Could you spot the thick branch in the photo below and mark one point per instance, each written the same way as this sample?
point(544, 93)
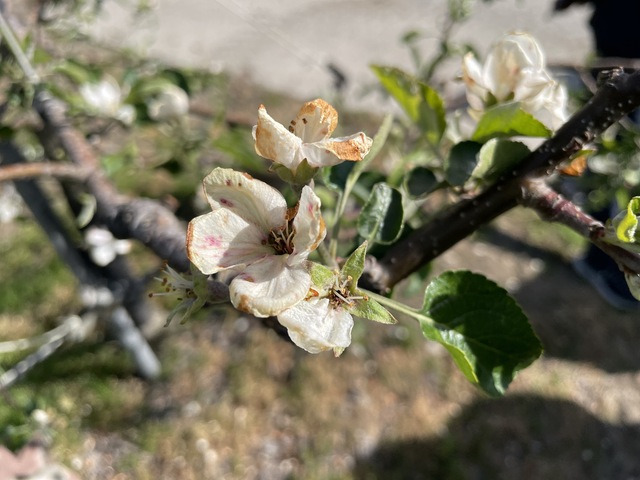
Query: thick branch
point(143, 219)
point(616, 98)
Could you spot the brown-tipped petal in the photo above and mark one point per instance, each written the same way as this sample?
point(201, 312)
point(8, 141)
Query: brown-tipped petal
point(336, 150)
point(316, 121)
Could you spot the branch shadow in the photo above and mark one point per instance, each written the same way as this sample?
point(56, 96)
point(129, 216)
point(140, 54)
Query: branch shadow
point(518, 437)
point(572, 320)
point(575, 323)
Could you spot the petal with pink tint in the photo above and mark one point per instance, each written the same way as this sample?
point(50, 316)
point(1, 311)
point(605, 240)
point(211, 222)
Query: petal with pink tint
point(221, 239)
point(253, 200)
point(308, 225)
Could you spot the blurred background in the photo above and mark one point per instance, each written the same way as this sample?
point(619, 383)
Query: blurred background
point(229, 398)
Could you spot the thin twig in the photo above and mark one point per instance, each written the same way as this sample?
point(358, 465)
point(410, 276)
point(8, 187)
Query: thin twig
point(41, 169)
point(73, 329)
point(16, 51)
point(553, 207)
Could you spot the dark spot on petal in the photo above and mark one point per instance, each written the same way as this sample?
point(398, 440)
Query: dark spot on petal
point(304, 120)
point(226, 202)
point(228, 183)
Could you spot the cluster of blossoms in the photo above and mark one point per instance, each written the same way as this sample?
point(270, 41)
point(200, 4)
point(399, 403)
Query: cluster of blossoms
point(515, 71)
point(263, 246)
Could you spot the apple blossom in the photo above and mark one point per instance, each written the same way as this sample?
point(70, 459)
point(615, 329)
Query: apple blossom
point(318, 324)
point(103, 246)
point(515, 70)
point(324, 319)
point(251, 231)
point(307, 138)
point(170, 102)
point(105, 98)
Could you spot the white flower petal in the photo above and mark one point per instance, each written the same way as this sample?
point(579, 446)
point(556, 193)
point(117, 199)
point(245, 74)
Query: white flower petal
point(308, 225)
point(514, 70)
point(103, 96)
point(254, 201)
point(472, 76)
point(171, 102)
point(275, 142)
point(269, 286)
point(221, 239)
point(316, 326)
point(332, 151)
point(315, 121)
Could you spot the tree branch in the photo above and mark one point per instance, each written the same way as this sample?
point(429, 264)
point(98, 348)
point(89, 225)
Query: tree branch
point(553, 207)
point(41, 169)
point(619, 95)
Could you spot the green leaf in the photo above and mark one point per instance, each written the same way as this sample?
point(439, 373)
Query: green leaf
point(626, 223)
point(508, 120)
point(381, 218)
point(420, 182)
point(461, 162)
point(481, 326)
point(335, 177)
point(633, 282)
point(421, 103)
point(354, 265)
point(498, 156)
point(369, 309)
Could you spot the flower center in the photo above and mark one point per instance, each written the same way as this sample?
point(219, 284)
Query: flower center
point(340, 293)
point(281, 239)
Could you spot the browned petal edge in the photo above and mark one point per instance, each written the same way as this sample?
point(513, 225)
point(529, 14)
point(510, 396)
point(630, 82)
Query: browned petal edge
point(321, 234)
point(328, 114)
point(189, 238)
point(292, 212)
point(244, 305)
point(265, 141)
point(353, 149)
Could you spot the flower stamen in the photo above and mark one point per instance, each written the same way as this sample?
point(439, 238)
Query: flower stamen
point(281, 239)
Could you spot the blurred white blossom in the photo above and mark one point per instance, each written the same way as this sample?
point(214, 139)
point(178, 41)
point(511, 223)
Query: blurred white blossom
point(106, 98)
point(11, 204)
point(103, 246)
point(515, 70)
point(171, 102)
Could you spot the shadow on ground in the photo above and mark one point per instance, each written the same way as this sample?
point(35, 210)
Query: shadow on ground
point(575, 324)
point(519, 437)
point(572, 320)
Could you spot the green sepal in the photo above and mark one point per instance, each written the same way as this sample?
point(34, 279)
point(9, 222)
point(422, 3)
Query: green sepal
point(626, 223)
point(370, 309)
point(322, 277)
point(354, 266)
point(304, 173)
